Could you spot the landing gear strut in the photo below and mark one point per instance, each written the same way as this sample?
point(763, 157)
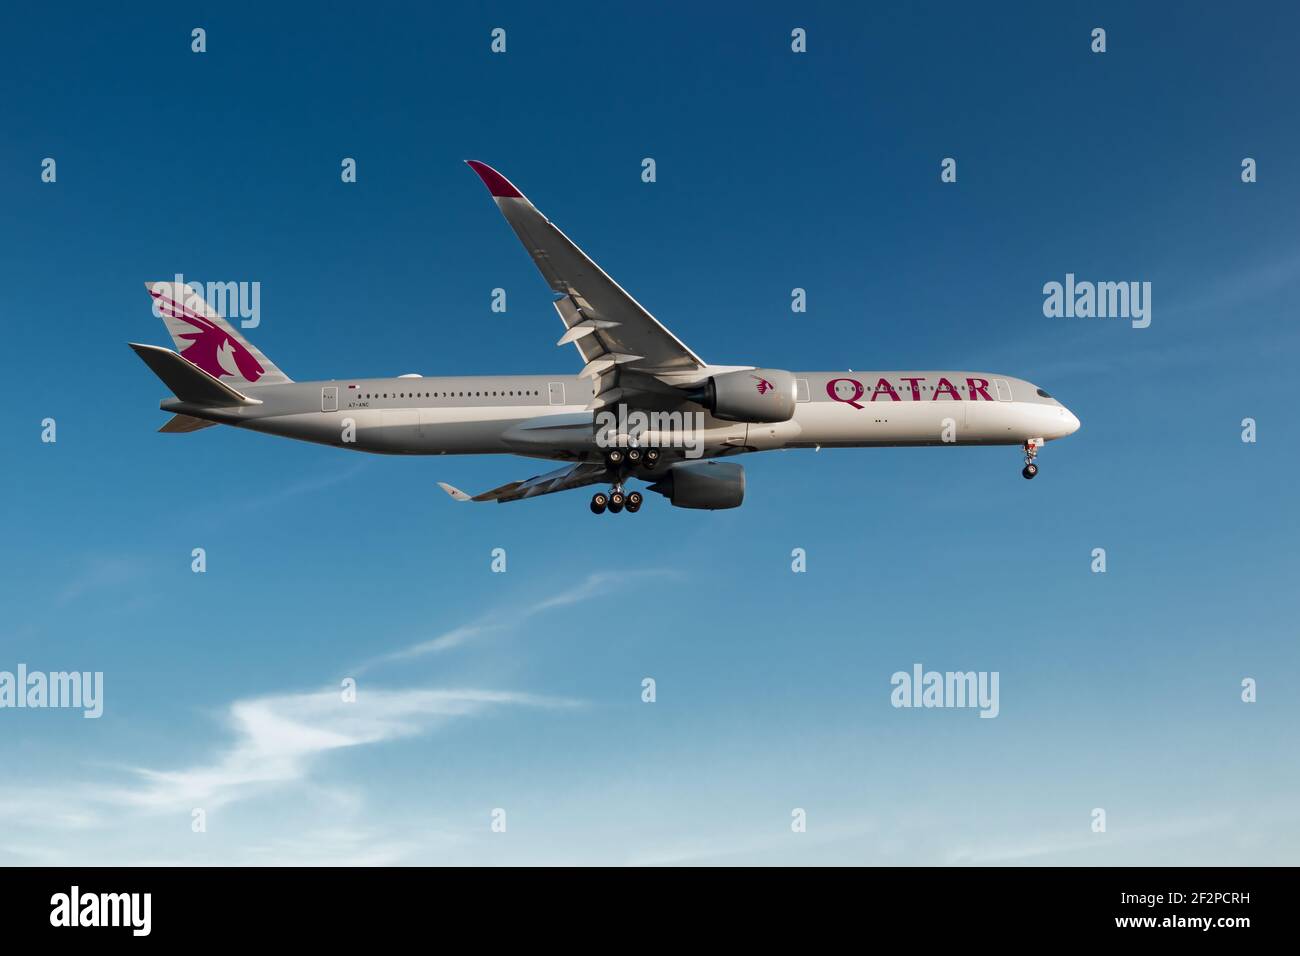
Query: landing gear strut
point(1031, 452)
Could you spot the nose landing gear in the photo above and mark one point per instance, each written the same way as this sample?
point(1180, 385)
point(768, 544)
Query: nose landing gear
point(1031, 452)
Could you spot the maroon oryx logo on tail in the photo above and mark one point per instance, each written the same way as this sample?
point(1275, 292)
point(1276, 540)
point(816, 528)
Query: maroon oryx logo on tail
point(211, 347)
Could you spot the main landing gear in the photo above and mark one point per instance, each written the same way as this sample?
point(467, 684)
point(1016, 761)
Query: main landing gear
point(622, 462)
point(615, 501)
point(1031, 452)
point(644, 457)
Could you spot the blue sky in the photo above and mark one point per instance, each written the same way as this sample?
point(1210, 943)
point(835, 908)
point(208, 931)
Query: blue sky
point(522, 690)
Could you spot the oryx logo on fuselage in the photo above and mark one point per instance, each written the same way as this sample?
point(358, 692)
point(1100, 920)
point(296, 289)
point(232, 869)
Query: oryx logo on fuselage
point(211, 347)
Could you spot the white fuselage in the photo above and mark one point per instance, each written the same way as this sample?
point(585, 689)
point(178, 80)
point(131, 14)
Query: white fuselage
point(551, 417)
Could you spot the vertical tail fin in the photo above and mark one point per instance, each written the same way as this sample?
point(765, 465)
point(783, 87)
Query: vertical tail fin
point(207, 340)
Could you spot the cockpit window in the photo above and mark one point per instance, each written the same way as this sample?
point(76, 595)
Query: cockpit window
point(1043, 394)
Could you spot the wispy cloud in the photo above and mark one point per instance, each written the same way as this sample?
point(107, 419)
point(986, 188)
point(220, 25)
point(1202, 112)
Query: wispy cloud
point(278, 738)
point(100, 573)
point(1249, 282)
point(51, 806)
point(599, 584)
point(277, 741)
point(352, 844)
point(282, 742)
point(1059, 847)
point(303, 488)
point(767, 845)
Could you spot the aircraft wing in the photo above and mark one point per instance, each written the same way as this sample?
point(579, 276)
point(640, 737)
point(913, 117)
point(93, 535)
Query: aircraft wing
point(612, 331)
point(562, 479)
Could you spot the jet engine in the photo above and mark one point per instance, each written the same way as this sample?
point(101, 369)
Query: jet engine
point(709, 485)
point(757, 395)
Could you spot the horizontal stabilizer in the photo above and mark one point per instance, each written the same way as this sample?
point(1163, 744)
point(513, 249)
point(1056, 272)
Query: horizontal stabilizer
point(187, 381)
point(185, 423)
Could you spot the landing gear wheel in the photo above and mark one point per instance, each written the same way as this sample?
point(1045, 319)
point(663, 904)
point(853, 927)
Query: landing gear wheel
point(1031, 452)
point(599, 502)
point(614, 508)
point(633, 455)
point(616, 501)
point(651, 457)
point(614, 458)
point(634, 500)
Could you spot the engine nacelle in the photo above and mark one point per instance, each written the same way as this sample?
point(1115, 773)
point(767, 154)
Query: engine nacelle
point(760, 395)
point(709, 485)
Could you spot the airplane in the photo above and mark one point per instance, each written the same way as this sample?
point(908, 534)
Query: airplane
point(644, 405)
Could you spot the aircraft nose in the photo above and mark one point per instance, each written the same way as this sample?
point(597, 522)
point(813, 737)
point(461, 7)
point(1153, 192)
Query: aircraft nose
point(1071, 421)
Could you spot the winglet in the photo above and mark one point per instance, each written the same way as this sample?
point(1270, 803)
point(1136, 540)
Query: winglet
point(454, 492)
point(497, 185)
